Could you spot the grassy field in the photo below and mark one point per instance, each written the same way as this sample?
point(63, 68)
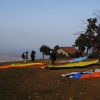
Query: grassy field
point(34, 83)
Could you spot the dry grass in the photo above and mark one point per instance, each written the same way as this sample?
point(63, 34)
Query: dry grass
point(34, 83)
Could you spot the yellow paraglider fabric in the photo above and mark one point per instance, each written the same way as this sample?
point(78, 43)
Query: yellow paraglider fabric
point(71, 65)
point(23, 65)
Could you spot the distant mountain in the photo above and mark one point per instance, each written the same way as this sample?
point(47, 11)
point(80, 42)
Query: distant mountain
point(9, 57)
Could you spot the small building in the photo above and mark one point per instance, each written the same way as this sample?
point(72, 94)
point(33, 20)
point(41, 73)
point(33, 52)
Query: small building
point(67, 50)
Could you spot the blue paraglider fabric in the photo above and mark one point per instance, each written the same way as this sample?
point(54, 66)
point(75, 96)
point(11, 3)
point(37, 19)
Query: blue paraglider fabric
point(78, 75)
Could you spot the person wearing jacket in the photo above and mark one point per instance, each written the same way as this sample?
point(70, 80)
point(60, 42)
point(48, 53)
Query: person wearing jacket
point(53, 57)
point(25, 56)
point(32, 55)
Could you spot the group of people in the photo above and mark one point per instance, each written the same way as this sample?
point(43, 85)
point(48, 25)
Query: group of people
point(52, 54)
point(25, 56)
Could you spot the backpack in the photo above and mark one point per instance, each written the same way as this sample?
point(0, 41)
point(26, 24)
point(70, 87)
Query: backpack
point(34, 52)
point(23, 56)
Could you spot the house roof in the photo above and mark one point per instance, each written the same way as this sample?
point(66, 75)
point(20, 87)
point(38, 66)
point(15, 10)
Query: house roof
point(69, 50)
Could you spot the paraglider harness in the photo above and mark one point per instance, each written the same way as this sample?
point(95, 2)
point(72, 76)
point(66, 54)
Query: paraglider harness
point(34, 52)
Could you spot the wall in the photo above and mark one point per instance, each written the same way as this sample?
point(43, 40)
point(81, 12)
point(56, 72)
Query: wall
point(62, 51)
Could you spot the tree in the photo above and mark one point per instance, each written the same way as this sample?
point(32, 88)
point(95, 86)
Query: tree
point(44, 50)
point(97, 14)
point(93, 32)
point(89, 36)
point(82, 40)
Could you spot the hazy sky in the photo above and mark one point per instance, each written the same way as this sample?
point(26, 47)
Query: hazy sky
point(28, 24)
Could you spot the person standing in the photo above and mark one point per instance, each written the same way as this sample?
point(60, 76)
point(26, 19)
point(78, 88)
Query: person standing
point(33, 55)
point(53, 57)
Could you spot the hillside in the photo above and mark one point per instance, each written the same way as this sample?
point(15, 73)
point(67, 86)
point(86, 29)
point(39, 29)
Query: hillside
point(9, 57)
point(34, 83)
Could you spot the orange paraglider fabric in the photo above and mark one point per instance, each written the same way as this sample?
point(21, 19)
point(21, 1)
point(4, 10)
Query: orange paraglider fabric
point(22, 65)
point(5, 67)
point(92, 75)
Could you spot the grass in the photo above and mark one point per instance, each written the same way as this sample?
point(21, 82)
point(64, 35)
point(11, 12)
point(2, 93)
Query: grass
point(11, 83)
point(15, 83)
point(30, 83)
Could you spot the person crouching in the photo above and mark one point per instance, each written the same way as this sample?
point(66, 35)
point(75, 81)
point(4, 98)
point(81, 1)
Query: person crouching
point(25, 56)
